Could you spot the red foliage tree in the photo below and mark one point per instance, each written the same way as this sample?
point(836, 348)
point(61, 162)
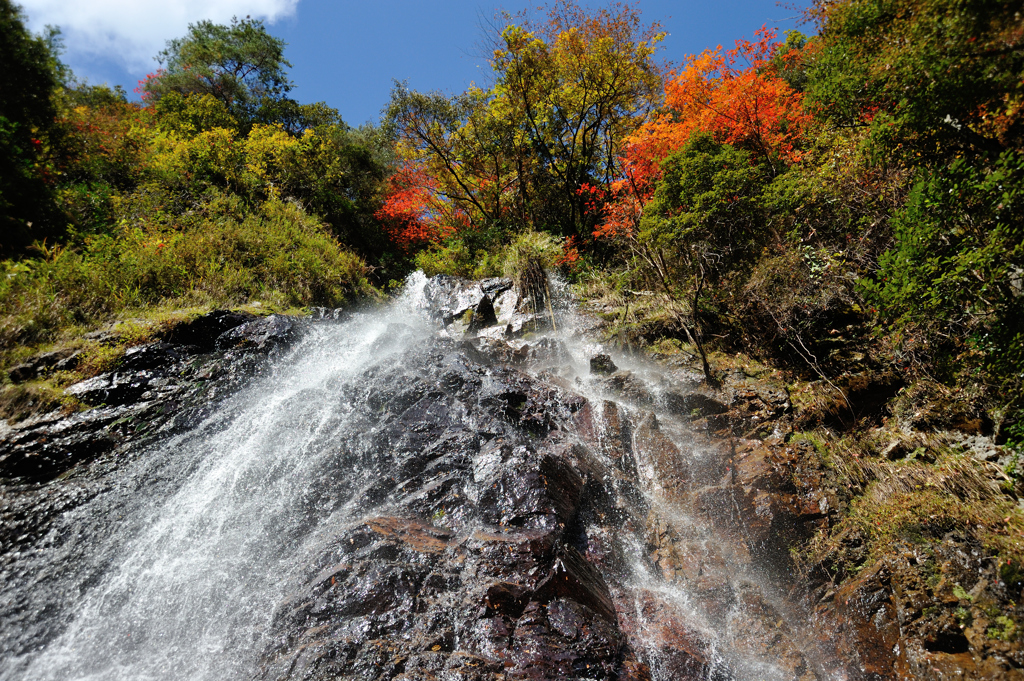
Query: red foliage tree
point(412, 212)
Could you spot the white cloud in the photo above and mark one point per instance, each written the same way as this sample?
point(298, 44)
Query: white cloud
point(132, 32)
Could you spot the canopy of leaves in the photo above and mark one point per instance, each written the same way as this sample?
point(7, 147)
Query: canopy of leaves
point(518, 154)
point(736, 97)
point(240, 64)
point(925, 74)
point(28, 78)
point(707, 204)
point(579, 83)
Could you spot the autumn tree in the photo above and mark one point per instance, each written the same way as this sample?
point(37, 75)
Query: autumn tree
point(737, 97)
point(523, 151)
point(688, 201)
point(577, 84)
point(461, 162)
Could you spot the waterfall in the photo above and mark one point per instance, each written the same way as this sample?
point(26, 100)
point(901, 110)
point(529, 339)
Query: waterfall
point(183, 569)
point(186, 560)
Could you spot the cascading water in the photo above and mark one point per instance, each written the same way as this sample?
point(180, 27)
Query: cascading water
point(721, 624)
point(192, 559)
point(178, 574)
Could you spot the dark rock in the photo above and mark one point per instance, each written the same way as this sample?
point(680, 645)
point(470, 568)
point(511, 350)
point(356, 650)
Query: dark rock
point(69, 363)
point(683, 654)
point(92, 390)
point(483, 315)
point(511, 528)
point(114, 388)
point(628, 387)
point(203, 332)
point(22, 372)
point(150, 356)
point(42, 363)
point(495, 286)
point(602, 365)
point(867, 628)
point(46, 451)
point(259, 334)
point(102, 337)
point(157, 386)
point(658, 457)
point(530, 490)
point(694, 405)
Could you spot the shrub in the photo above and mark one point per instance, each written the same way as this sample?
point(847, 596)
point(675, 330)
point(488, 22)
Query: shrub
point(224, 256)
point(950, 288)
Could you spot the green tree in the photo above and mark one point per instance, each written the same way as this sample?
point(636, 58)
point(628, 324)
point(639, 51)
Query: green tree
point(952, 285)
point(338, 176)
point(708, 199)
point(241, 65)
point(703, 222)
point(28, 80)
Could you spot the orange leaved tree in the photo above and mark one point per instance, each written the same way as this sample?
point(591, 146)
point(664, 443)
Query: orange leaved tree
point(738, 97)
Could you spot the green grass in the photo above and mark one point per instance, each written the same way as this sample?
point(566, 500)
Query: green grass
point(276, 254)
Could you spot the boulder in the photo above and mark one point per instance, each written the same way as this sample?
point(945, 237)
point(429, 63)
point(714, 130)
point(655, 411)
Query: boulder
point(203, 331)
point(602, 365)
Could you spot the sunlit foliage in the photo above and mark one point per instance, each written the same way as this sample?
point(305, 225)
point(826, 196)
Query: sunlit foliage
point(566, 92)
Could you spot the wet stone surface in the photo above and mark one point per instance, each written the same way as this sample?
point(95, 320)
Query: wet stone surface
point(161, 386)
point(52, 464)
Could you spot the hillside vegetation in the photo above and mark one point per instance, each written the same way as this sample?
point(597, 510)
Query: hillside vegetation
point(843, 203)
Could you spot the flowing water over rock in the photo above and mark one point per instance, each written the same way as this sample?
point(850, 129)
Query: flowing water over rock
point(420, 493)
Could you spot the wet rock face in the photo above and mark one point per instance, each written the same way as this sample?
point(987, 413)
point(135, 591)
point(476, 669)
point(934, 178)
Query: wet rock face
point(500, 532)
point(161, 386)
point(490, 308)
point(159, 389)
point(896, 620)
point(468, 566)
point(602, 364)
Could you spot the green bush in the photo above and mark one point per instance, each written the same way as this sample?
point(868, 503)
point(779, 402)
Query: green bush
point(451, 257)
point(708, 200)
point(225, 256)
point(952, 286)
point(529, 251)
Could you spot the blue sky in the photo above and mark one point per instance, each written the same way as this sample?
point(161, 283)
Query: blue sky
point(347, 53)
